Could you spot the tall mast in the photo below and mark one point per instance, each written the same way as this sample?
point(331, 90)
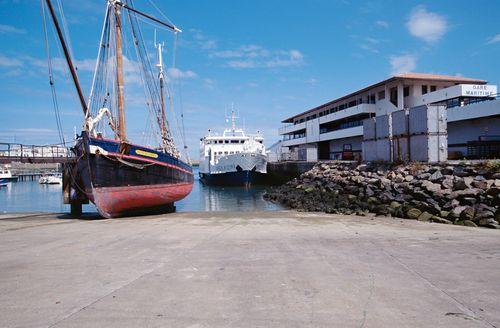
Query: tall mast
point(233, 117)
point(159, 46)
point(68, 58)
point(122, 134)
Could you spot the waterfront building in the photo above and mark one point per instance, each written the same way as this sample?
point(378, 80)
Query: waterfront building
point(334, 130)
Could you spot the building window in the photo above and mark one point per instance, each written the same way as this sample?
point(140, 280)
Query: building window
point(406, 91)
point(394, 96)
point(381, 95)
point(424, 89)
point(433, 88)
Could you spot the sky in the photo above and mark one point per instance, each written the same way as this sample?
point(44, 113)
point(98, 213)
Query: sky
point(271, 59)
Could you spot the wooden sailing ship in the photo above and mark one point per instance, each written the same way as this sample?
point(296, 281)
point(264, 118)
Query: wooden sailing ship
point(119, 177)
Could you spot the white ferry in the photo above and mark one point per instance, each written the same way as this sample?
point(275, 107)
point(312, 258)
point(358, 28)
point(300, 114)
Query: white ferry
point(233, 159)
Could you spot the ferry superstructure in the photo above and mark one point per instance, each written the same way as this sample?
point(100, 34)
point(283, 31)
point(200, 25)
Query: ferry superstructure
point(233, 158)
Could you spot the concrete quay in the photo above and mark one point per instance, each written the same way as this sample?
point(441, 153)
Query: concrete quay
point(255, 269)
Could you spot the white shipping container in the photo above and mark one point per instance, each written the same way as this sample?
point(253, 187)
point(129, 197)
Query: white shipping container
point(384, 150)
point(400, 149)
point(369, 129)
point(383, 126)
point(400, 123)
point(432, 148)
point(428, 119)
point(369, 150)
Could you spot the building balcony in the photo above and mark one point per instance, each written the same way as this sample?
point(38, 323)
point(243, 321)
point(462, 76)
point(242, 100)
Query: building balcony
point(476, 110)
point(356, 131)
point(348, 112)
point(294, 142)
point(292, 128)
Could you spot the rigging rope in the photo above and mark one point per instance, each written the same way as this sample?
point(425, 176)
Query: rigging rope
point(55, 102)
point(66, 30)
point(181, 128)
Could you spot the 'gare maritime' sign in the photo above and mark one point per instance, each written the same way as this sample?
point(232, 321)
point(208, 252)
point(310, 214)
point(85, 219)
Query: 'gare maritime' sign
point(474, 90)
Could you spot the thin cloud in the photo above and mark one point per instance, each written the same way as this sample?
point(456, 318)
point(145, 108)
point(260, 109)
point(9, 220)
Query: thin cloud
point(403, 64)
point(381, 23)
point(425, 25)
point(494, 39)
point(9, 62)
point(175, 74)
point(9, 29)
point(255, 56)
point(245, 51)
point(59, 64)
point(202, 41)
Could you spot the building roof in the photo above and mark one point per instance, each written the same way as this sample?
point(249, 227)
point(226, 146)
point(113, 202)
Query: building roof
point(405, 76)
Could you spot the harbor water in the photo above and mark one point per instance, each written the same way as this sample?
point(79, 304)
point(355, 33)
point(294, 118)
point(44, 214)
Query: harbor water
point(30, 196)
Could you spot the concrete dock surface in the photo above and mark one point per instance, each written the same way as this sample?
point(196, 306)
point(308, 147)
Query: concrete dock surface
point(264, 269)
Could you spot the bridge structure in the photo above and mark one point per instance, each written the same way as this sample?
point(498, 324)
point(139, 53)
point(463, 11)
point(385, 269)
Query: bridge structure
point(16, 152)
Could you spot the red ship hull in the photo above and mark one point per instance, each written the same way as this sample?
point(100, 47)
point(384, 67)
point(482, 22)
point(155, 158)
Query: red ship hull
point(118, 201)
point(126, 179)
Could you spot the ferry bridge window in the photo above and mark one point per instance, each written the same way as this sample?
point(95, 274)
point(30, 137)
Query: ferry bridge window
point(372, 99)
point(406, 91)
point(433, 88)
point(424, 89)
point(234, 141)
point(226, 141)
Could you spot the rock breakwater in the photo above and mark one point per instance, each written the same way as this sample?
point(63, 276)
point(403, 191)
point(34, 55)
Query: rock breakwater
point(466, 195)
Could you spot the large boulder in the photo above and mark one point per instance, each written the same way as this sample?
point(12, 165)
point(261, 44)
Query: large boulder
point(431, 187)
point(467, 213)
point(436, 176)
point(413, 213)
point(425, 216)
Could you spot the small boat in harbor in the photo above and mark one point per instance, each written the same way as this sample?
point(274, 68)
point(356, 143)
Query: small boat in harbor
point(120, 177)
point(233, 158)
point(6, 175)
point(50, 179)
point(3, 183)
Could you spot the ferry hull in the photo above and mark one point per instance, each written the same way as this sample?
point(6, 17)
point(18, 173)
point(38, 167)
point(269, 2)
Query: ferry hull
point(122, 182)
point(239, 178)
